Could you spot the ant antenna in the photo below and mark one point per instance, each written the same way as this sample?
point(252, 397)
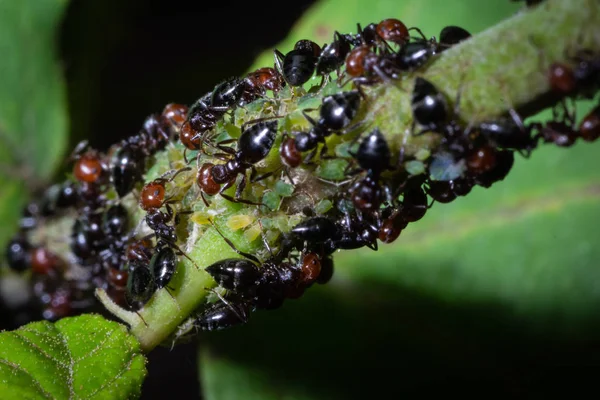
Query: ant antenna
point(230, 243)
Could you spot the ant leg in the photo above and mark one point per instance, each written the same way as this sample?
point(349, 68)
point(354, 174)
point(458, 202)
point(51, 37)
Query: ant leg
point(264, 239)
point(230, 243)
point(257, 120)
point(263, 176)
point(206, 203)
point(308, 117)
point(414, 28)
point(241, 186)
point(243, 318)
point(173, 297)
point(81, 146)
point(286, 171)
point(181, 252)
point(184, 169)
point(243, 201)
point(143, 320)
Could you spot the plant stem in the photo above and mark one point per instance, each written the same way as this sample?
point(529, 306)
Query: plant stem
point(502, 68)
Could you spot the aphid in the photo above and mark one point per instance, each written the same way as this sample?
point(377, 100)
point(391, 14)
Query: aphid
point(298, 66)
point(18, 254)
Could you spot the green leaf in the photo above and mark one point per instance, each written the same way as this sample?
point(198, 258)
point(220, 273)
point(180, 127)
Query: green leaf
point(505, 276)
point(33, 112)
point(82, 357)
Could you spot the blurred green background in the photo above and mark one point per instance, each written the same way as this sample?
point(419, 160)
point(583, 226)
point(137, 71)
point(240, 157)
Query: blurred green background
point(498, 291)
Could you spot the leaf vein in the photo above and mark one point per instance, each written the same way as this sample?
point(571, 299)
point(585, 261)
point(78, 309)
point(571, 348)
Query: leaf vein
point(28, 342)
point(34, 380)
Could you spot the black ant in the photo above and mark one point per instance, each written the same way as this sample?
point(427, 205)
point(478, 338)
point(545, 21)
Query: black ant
point(335, 115)
point(129, 161)
point(254, 144)
point(373, 156)
point(298, 65)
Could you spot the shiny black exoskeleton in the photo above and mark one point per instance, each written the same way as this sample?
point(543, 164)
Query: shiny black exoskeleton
point(452, 35)
point(447, 191)
point(234, 274)
point(115, 221)
point(333, 55)
point(335, 115)
point(354, 232)
point(373, 157)
point(315, 230)
point(87, 237)
point(429, 106)
point(129, 162)
point(505, 133)
point(18, 254)
point(158, 221)
point(298, 66)
point(162, 266)
point(254, 144)
point(140, 285)
point(415, 54)
point(127, 169)
point(223, 315)
point(504, 162)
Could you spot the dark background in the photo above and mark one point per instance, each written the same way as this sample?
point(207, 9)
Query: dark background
point(124, 60)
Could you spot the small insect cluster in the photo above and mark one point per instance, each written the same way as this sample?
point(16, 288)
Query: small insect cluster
point(248, 141)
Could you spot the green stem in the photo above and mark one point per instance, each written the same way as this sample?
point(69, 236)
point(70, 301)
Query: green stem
point(504, 67)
